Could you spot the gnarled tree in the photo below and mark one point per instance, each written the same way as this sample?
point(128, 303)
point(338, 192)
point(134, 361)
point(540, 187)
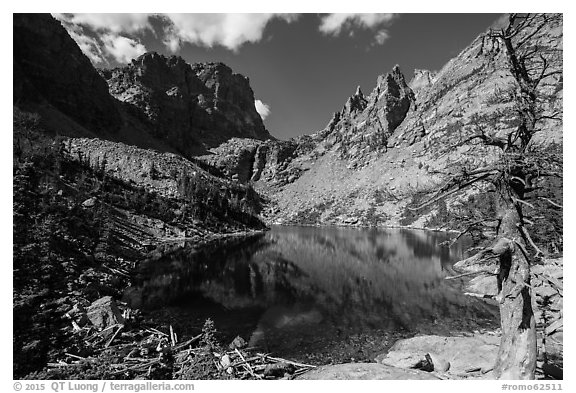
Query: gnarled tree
point(515, 176)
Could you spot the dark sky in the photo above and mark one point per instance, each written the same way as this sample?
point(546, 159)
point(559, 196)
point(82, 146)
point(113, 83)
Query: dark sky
point(304, 76)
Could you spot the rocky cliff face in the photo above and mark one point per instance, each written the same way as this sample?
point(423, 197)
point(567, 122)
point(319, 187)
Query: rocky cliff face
point(365, 123)
point(250, 160)
point(382, 149)
point(361, 127)
point(50, 70)
point(422, 79)
point(187, 105)
point(155, 102)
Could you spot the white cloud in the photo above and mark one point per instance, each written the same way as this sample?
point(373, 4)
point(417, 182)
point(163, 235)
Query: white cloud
point(262, 109)
point(88, 45)
point(123, 49)
point(228, 30)
point(105, 40)
point(172, 42)
point(381, 37)
point(113, 30)
point(116, 23)
point(334, 24)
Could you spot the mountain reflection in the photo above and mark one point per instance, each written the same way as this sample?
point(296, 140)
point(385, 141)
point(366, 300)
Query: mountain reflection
point(297, 280)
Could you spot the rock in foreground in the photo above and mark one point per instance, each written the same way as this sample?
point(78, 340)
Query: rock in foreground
point(361, 371)
point(464, 354)
point(104, 313)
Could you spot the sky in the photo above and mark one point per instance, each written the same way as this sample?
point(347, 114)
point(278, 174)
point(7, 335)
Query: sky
point(302, 67)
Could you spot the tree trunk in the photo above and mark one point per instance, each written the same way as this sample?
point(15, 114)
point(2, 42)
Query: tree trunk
point(517, 354)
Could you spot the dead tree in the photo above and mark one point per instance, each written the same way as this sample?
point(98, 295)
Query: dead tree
point(514, 176)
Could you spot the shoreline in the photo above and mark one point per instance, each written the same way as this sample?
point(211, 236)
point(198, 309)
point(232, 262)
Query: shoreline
point(213, 238)
point(342, 225)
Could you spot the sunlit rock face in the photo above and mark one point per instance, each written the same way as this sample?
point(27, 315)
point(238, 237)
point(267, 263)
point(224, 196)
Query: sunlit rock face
point(366, 122)
point(361, 127)
point(253, 160)
point(203, 103)
point(422, 79)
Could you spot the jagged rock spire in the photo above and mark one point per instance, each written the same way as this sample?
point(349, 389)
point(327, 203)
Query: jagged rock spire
point(366, 122)
point(355, 103)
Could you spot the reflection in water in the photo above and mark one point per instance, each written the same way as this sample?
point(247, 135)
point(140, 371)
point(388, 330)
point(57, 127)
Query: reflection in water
point(298, 286)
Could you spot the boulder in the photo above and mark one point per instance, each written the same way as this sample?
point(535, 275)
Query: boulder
point(429, 362)
point(402, 359)
point(454, 354)
point(89, 202)
point(104, 313)
point(483, 285)
point(364, 371)
point(225, 361)
point(439, 363)
point(545, 290)
point(551, 268)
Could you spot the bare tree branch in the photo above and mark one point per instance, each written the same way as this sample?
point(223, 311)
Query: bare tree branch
point(551, 202)
point(528, 238)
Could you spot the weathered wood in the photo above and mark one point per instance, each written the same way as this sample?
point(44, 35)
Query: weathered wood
point(172, 336)
point(464, 275)
point(287, 361)
point(186, 343)
point(517, 353)
point(114, 336)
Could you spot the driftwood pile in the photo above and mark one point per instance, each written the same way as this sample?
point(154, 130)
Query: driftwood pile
point(240, 364)
point(148, 353)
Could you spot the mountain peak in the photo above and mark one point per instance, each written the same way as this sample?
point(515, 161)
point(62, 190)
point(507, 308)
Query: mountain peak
point(355, 103)
point(187, 103)
point(366, 122)
point(395, 76)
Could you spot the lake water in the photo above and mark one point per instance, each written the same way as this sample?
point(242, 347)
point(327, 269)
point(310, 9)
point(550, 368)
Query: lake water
point(314, 294)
